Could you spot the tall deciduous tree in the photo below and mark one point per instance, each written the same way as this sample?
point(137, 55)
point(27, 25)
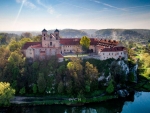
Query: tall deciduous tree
point(6, 93)
point(60, 87)
point(41, 83)
point(85, 42)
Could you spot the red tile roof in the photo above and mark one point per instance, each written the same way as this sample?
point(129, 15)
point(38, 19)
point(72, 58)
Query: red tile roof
point(94, 41)
point(69, 41)
point(36, 46)
point(59, 56)
point(73, 41)
point(115, 49)
point(27, 44)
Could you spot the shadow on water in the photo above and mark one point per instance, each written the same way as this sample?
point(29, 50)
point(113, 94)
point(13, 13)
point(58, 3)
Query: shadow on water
point(110, 106)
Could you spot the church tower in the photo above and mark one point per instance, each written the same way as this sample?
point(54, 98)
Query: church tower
point(56, 33)
point(44, 37)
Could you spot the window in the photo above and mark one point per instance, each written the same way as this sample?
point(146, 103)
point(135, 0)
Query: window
point(50, 43)
point(44, 34)
point(112, 53)
point(56, 34)
point(103, 54)
point(50, 37)
point(44, 38)
point(109, 53)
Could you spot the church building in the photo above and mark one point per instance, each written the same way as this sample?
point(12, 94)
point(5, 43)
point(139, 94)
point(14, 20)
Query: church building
point(52, 44)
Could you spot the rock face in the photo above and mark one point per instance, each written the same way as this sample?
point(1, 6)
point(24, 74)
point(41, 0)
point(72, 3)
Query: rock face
point(123, 66)
point(123, 93)
point(133, 70)
point(120, 70)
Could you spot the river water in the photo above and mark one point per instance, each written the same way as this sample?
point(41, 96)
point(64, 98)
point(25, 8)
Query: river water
point(138, 102)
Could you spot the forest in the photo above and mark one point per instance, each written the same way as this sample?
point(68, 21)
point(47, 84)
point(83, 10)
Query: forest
point(74, 77)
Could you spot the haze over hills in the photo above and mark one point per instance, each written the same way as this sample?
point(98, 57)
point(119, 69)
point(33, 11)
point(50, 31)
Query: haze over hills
point(139, 35)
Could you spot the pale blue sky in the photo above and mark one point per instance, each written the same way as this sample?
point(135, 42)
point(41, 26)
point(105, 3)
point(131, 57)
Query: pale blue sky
point(19, 15)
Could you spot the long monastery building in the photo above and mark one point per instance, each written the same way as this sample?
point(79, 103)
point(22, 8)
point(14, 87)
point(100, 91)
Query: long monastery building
point(52, 44)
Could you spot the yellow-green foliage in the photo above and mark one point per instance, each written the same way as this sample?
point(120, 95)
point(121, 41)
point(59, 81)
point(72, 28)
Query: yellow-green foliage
point(85, 41)
point(145, 58)
point(6, 93)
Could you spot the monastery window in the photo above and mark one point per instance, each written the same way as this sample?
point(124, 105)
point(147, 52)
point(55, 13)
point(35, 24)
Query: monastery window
point(109, 53)
point(121, 52)
point(50, 43)
point(112, 53)
point(50, 37)
point(103, 54)
point(56, 34)
point(44, 34)
point(44, 38)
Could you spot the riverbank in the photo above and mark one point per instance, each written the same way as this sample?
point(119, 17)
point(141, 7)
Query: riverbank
point(18, 100)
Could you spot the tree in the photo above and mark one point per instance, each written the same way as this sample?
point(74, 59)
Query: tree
point(34, 88)
point(85, 43)
point(60, 87)
point(110, 87)
point(6, 93)
point(91, 76)
point(77, 50)
point(41, 83)
point(13, 45)
point(26, 34)
point(22, 91)
point(69, 87)
point(37, 38)
point(91, 71)
point(75, 67)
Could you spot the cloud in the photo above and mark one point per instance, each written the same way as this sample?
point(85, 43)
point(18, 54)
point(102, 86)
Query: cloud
point(50, 9)
point(27, 3)
point(108, 5)
point(128, 8)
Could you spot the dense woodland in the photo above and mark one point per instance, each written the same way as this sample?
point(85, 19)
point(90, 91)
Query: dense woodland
point(73, 77)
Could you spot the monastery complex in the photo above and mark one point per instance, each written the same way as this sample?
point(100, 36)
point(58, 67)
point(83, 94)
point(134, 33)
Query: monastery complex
point(52, 44)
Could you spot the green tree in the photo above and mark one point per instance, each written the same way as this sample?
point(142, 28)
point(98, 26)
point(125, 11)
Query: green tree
point(75, 67)
point(34, 88)
point(6, 93)
point(41, 83)
point(13, 45)
point(110, 87)
point(22, 91)
point(85, 42)
point(60, 87)
point(69, 87)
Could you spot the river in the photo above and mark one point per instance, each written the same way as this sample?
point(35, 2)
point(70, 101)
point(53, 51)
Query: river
point(138, 102)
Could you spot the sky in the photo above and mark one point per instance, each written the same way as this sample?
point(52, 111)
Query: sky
point(35, 15)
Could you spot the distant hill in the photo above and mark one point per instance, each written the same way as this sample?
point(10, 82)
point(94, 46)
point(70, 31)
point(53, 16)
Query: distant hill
point(138, 35)
point(72, 33)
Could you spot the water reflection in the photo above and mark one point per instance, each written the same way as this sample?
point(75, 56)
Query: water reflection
point(111, 106)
